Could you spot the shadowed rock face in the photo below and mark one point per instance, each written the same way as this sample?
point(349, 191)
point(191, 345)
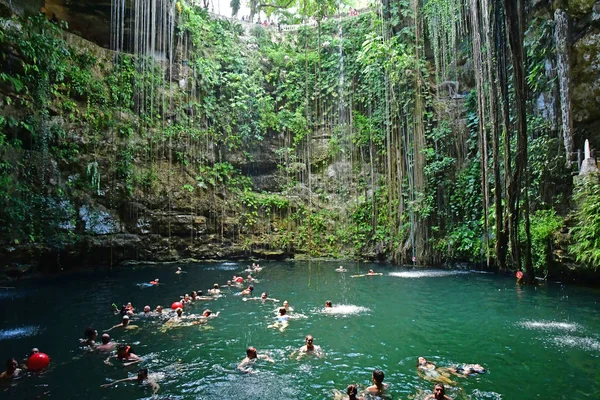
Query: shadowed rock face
point(89, 19)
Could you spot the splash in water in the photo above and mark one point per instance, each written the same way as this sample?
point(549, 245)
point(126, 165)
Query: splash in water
point(584, 343)
point(346, 309)
point(550, 325)
point(17, 333)
point(427, 274)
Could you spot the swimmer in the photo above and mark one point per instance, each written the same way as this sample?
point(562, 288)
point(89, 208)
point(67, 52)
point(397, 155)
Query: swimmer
point(33, 351)
point(378, 386)
point(282, 321)
point(126, 355)
point(147, 310)
point(107, 345)
point(186, 299)
point(129, 307)
point(208, 314)
point(237, 279)
point(328, 304)
point(263, 297)
point(256, 267)
point(227, 285)
point(248, 291)
point(310, 348)
point(142, 376)
point(466, 370)
point(159, 309)
point(124, 324)
point(439, 393)
point(154, 282)
point(428, 370)
point(215, 291)
point(249, 278)
point(341, 269)
point(180, 271)
point(12, 369)
point(370, 273)
point(287, 307)
point(90, 335)
point(352, 392)
point(251, 357)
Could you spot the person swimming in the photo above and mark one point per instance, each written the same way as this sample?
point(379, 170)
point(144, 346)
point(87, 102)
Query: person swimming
point(180, 271)
point(370, 273)
point(215, 291)
point(90, 335)
point(124, 324)
point(126, 355)
point(429, 371)
point(141, 377)
point(12, 369)
point(467, 370)
point(310, 348)
point(263, 297)
point(107, 345)
point(378, 386)
point(251, 357)
point(248, 291)
point(281, 322)
point(341, 269)
point(328, 304)
point(439, 393)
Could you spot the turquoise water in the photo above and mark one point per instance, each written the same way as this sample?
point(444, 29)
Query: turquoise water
point(535, 342)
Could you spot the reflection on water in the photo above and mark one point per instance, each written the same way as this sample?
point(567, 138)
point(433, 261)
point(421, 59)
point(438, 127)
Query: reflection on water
point(426, 274)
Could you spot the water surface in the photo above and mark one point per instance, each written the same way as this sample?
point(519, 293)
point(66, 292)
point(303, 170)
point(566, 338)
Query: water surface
point(535, 342)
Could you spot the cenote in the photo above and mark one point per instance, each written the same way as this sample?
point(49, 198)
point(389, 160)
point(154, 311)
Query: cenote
point(535, 341)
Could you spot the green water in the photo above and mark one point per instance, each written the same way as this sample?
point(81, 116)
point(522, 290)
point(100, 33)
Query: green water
point(535, 342)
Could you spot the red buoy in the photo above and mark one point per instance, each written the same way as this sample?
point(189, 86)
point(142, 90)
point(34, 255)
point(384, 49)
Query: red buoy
point(519, 275)
point(176, 305)
point(38, 361)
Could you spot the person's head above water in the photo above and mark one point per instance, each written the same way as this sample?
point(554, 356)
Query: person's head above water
point(207, 313)
point(378, 376)
point(142, 374)
point(422, 361)
point(351, 390)
point(309, 341)
point(282, 311)
point(147, 309)
point(216, 286)
point(286, 304)
point(263, 295)
point(371, 271)
point(105, 338)
point(179, 311)
point(33, 351)
point(328, 304)
point(11, 365)
point(159, 309)
point(90, 333)
point(439, 391)
point(123, 350)
point(251, 352)
point(125, 320)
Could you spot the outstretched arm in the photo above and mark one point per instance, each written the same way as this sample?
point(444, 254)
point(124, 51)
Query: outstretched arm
point(118, 381)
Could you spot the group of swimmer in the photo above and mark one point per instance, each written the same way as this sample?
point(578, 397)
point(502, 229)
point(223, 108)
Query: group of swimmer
point(125, 355)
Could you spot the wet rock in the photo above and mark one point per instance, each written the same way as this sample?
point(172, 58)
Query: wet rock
point(579, 8)
point(586, 78)
point(98, 220)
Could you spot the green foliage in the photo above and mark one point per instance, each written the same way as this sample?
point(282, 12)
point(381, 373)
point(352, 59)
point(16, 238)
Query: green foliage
point(544, 223)
point(586, 233)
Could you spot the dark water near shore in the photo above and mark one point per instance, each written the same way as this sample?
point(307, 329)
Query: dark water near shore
point(535, 342)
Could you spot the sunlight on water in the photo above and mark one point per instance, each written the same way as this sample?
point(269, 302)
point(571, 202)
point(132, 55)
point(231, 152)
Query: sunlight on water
point(584, 343)
point(17, 333)
point(345, 309)
point(550, 325)
point(426, 274)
